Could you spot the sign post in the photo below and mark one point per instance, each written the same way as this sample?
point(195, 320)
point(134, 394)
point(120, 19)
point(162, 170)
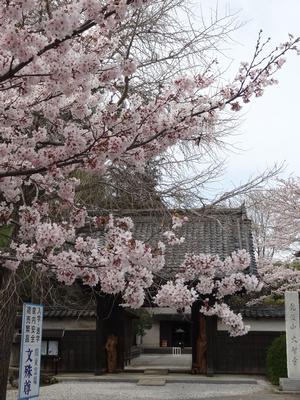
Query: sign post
point(30, 354)
point(292, 324)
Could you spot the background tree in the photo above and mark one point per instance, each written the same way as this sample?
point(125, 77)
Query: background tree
point(277, 278)
point(166, 41)
point(275, 215)
point(121, 188)
point(143, 323)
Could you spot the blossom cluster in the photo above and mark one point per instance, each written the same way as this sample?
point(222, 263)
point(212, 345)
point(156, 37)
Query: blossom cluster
point(206, 276)
point(277, 279)
point(178, 221)
point(176, 294)
point(233, 321)
point(170, 236)
point(172, 239)
point(116, 261)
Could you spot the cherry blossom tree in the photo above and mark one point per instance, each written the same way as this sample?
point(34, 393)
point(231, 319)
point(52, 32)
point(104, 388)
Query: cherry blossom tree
point(275, 215)
point(210, 280)
point(276, 278)
point(63, 109)
point(285, 211)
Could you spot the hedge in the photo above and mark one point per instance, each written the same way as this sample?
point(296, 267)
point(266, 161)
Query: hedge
point(276, 365)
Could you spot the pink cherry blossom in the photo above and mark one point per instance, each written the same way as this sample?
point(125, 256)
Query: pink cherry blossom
point(234, 322)
point(175, 294)
point(203, 275)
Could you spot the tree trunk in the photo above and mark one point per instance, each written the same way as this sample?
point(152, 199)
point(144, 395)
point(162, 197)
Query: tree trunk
point(200, 364)
point(211, 331)
point(204, 331)
point(199, 340)
point(8, 311)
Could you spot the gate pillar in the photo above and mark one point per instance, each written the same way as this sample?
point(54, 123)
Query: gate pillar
point(110, 322)
point(203, 341)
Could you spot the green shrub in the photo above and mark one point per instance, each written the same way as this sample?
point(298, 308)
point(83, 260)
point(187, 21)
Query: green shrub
point(46, 379)
point(276, 360)
point(143, 322)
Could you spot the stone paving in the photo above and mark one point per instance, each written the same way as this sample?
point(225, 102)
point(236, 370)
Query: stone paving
point(261, 396)
point(138, 385)
point(171, 391)
point(183, 361)
point(174, 377)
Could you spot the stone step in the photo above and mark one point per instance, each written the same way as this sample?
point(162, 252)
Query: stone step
point(156, 371)
point(152, 382)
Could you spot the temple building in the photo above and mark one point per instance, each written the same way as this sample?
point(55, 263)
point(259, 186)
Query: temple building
point(74, 339)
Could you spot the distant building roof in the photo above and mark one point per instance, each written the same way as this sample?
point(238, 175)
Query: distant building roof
point(263, 311)
point(55, 312)
point(259, 311)
point(208, 230)
point(66, 313)
point(60, 313)
point(255, 312)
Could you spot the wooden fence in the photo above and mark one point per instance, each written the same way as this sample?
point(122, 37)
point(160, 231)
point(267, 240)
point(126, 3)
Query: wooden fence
point(243, 354)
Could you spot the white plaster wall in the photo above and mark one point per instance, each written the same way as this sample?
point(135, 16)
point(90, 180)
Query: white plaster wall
point(70, 324)
point(152, 336)
point(267, 325)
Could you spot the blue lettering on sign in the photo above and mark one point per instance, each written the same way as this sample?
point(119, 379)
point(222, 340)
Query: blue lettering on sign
point(29, 359)
point(30, 355)
point(28, 371)
point(27, 387)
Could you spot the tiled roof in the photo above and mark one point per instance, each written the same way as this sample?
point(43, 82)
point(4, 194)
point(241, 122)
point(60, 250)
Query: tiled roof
point(263, 311)
point(209, 230)
point(58, 312)
point(61, 312)
point(255, 312)
point(260, 311)
point(68, 313)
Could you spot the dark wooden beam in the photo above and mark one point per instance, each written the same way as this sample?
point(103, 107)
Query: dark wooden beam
point(211, 329)
point(101, 335)
point(110, 321)
point(194, 330)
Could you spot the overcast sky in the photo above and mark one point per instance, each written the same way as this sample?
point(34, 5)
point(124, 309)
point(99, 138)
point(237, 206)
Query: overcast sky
point(270, 128)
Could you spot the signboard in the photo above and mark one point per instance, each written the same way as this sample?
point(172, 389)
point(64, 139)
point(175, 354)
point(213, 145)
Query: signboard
point(53, 348)
point(30, 354)
point(292, 321)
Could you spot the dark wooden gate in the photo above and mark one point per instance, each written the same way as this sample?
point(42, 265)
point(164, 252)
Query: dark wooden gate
point(243, 354)
point(78, 351)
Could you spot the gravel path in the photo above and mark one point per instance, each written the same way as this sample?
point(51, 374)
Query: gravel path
point(129, 391)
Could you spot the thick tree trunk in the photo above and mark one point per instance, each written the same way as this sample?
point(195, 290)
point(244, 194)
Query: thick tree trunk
point(211, 331)
point(200, 363)
point(203, 341)
point(8, 311)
